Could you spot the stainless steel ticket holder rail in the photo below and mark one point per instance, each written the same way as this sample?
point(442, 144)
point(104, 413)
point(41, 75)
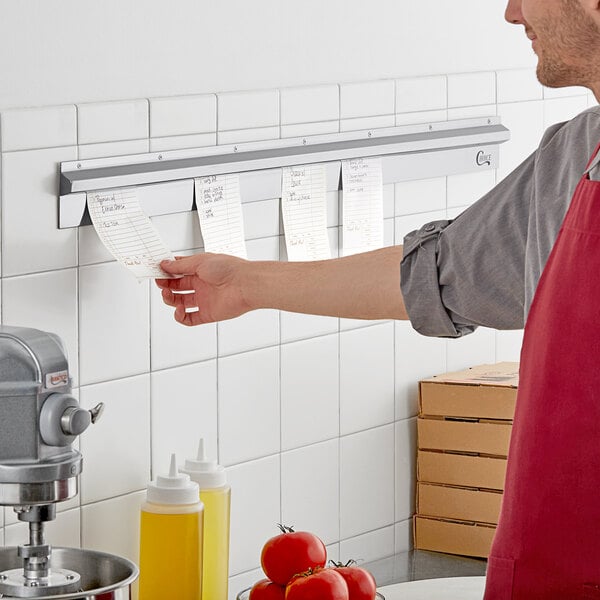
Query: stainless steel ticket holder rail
point(165, 180)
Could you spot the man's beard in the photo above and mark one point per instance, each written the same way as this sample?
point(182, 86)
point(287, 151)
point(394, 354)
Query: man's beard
point(573, 58)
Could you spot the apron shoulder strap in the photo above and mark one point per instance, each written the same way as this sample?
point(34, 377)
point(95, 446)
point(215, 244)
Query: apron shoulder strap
point(594, 160)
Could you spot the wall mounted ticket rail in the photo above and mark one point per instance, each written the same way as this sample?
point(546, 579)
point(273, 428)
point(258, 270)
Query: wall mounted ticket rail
point(165, 179)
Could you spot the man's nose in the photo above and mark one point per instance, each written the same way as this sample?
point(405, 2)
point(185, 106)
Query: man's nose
point(513, 12)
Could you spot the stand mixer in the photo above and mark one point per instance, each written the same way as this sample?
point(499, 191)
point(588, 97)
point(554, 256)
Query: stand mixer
point(39, 421)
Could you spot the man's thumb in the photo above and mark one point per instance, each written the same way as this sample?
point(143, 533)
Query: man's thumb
point(182, 265)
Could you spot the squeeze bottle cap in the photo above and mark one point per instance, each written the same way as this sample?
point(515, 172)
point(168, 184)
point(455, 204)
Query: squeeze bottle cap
point(206, 473)
point(173, 488)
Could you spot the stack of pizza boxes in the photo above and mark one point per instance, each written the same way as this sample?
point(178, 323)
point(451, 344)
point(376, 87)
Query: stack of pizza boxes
point(464, 427)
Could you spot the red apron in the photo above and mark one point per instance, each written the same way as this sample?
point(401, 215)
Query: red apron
point(547, 545)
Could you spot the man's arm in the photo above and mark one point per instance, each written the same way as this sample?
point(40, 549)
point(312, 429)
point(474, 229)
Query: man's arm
point(362, 286)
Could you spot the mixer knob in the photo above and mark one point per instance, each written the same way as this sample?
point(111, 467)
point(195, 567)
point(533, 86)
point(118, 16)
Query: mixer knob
point(75, 420)
point(62, 419)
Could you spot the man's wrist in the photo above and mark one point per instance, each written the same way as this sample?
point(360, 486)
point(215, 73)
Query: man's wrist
point(256, 284)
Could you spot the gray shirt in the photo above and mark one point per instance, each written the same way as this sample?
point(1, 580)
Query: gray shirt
point(483, 267)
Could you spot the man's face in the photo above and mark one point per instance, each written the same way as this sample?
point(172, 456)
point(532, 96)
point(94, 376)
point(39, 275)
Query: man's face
point(565, 36)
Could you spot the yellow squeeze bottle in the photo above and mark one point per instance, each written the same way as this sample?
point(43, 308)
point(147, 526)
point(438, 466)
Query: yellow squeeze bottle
point(215, 494)
point(171, 533)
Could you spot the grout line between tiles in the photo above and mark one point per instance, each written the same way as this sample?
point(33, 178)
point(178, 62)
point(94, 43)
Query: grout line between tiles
point(280, 413)
point(323, 441)
point(150, 386)
point(2, 247)
point(218, 395)
point(78, 338)
point(110, 498)
point(78, 321)
point(339, 441)
point(395, 453)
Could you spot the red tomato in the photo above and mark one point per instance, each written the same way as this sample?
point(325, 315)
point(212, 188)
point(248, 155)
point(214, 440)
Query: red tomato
point(265, 589)
point(323, 584)
point(361, 584)
point(290, 553)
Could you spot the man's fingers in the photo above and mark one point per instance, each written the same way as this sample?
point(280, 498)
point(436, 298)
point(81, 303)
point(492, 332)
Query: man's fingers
point(188, 318)
point(183, 265)
point(183, 284)
point(172, 299)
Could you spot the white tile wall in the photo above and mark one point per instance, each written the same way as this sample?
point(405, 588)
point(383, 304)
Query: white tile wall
point(113, 525)
point(180, 142)
point(428, 116)
point(310, 105)
point(249, 421)
point(420, 196)
point(367, 477)
point(117, 447)
point(367, 123)
point(173, 345)
point(112, 121)
point(403, 534)
point(255, 510)
point(367, 105)
point(421, 94)
point(248, 110)
point(114, 327)
point(313, 416)
point(416, 357)
point(240, 136)
point(367, 99)
point(31, 241)
point(295, 326)
point(471, 112)
point(518, 85)
point(309, 387)
point(465, 189)
point(471, 89)
point(184, 409)
point(368, 546)
point(477, 348)
point(305, 487)
point(46, 301)
point(558, 110)
point(33, 128)
point(182, 116)
point(508, 345)
point(564, 92)
point(366, 379)
point(525, 120)
point(301, 129)
point(406, 468)
point(121, 148)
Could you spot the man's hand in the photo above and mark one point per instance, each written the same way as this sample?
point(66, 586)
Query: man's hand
point(219, 287)
point(210, 283)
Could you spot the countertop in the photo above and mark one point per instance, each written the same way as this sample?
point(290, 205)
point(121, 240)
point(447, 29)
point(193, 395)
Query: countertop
point(419, 564)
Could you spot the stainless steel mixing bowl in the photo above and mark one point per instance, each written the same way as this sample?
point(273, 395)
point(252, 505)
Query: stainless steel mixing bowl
point(103, 576)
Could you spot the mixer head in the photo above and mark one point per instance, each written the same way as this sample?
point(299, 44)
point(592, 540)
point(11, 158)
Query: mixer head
point(39, 421)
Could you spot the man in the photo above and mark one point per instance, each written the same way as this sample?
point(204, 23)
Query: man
point(484, 268)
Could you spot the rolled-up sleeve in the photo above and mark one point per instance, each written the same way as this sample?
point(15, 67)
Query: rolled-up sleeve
point(420, 283)
point(457, 275)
